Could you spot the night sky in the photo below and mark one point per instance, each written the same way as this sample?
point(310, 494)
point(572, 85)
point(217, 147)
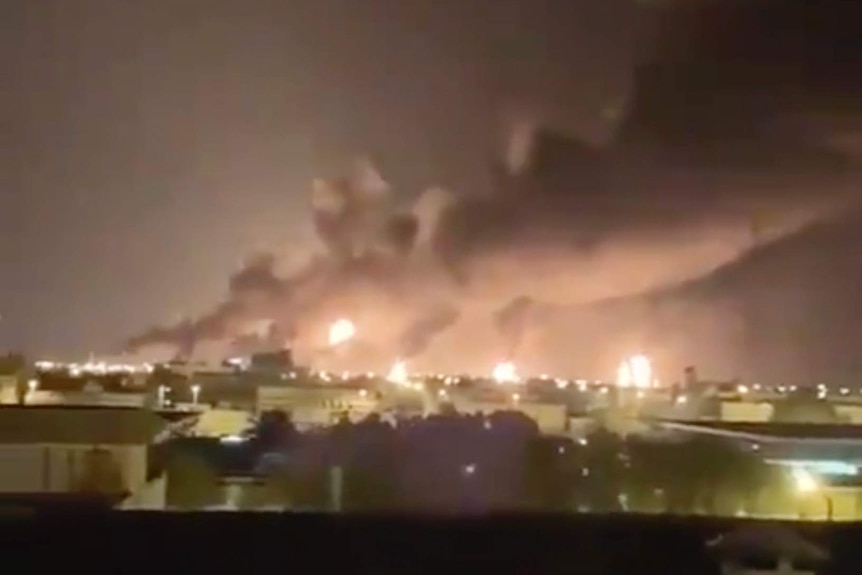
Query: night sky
point(150, 146)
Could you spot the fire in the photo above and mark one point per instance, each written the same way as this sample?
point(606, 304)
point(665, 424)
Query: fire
point(505, 372)
point(635, 371)
point(341, 331)
point(398, 373)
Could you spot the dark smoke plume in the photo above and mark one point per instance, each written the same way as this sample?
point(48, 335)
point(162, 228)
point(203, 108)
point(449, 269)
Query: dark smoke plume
point(419, 335)
point(256, 277)
point(708, 163)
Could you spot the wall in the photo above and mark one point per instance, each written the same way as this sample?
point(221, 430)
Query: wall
point(745, 411)
point(151, 495)
point(220, 422)
point(849, 413)
point(846, 504)
point(317, 405)
point(33, 468)
point(8, 385)
point(44, 397)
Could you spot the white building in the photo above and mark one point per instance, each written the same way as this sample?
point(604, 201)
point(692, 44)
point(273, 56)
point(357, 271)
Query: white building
point(317, 405)
point(58, 450)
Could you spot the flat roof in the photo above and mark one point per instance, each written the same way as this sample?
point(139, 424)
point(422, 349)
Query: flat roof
point(776, 430)
point(106, 425)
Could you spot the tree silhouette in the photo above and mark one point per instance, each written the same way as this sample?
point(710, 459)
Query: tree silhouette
point(696, 475)
point(603, 471)
point(191, 483)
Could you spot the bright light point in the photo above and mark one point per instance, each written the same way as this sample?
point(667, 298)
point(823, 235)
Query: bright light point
point(470, 469)
point(805, 482)
point(516, 397)
point(641, 371)
point(33, 384)
point(363, 392)
point(231, 439)
point(624, 374)
point(742, 389)
point(635, 371)
point(341, 331)
point(398, 373)
point(505, 372)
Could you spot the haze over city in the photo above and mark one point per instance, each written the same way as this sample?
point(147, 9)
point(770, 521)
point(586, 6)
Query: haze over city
point(654, 186)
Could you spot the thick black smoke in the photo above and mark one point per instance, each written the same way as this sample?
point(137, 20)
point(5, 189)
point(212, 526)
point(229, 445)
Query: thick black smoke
point(418, 336)
point(710, 160)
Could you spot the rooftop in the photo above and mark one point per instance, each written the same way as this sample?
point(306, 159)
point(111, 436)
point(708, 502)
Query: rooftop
point(78, 425)
point(776, 430)
point(17, 504)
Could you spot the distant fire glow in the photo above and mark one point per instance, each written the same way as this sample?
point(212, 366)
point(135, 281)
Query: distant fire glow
point(505, 372)
point(341, 331)
point(635, 371)
point(398, 373)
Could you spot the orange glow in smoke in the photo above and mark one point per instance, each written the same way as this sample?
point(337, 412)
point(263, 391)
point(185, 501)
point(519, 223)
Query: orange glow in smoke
point(505, 372)
point(341, 331)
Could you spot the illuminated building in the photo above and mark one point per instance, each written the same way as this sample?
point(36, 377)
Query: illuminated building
point(47, 449)
point(830, 453)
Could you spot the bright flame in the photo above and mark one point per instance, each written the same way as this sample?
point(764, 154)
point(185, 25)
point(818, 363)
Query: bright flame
point(641, 371)
point(635, 371)
point(624, 374)
point(398, 373)
point(505, 372)
point(341, 331)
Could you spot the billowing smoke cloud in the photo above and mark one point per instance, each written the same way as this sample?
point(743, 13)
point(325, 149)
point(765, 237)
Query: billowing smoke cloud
point(419, 335)
point(701, 172)
point(461, 282)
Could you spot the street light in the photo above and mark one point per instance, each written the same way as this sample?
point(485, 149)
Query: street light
point(807, 484)
point(196, 391)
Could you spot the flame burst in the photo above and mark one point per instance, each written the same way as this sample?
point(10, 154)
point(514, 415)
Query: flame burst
point(505, 372)
point(341, 331)
point(398, 373)
point(635, 371)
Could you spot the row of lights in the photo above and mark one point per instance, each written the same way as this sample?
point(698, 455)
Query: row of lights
point(822, 389)
point(93, 368)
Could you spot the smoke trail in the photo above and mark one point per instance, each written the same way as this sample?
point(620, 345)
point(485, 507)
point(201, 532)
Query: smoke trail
point(511, 321)
point(419, 335)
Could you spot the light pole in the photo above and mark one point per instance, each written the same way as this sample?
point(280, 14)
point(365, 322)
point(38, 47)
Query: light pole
point(196, 391)
point(807, 484)
point(161, 396)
